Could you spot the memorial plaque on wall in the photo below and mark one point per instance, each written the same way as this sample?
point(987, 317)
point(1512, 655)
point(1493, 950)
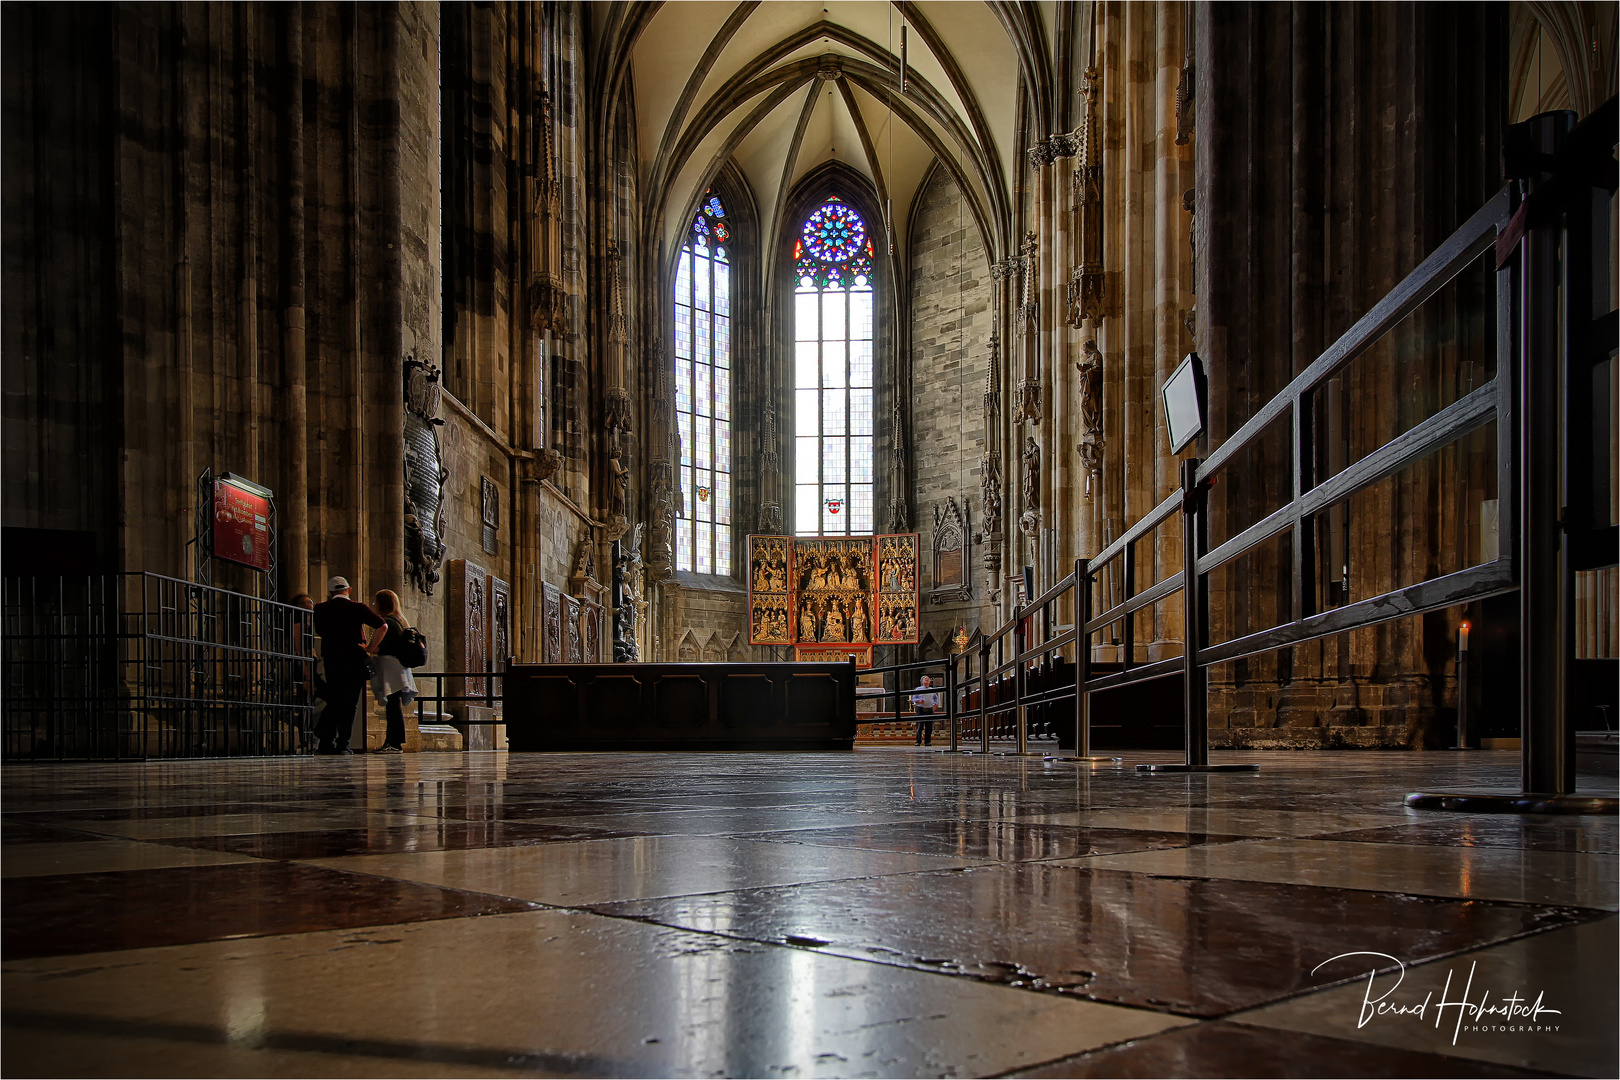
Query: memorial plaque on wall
point(832, 589)
point(500, 623)
point(467, 636)
point(241, 522)
point(769, 605)
point(591, 631)
point(551, 617)
point(573, 644)
point(897, 589)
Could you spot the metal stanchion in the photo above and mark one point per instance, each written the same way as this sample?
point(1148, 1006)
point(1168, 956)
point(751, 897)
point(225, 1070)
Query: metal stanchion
point(1195, 690)
point(950, 701)
point(1020, 732)
point(1082, 667)
point(1547, 278)
point(984, 697)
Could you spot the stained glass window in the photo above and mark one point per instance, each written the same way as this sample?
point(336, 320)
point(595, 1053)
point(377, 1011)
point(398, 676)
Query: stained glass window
point(832, 363)
point(703, 391)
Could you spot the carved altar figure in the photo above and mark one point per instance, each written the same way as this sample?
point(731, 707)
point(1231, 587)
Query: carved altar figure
point(835, 622)
point(858, 622)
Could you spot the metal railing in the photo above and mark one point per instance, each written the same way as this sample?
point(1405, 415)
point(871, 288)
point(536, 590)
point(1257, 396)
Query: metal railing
point(481, 689)
point(1001, 677)
point(138, 665)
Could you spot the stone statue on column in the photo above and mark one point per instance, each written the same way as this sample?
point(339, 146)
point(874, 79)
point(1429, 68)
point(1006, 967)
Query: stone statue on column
point(1091, 416)
point(1030, 521)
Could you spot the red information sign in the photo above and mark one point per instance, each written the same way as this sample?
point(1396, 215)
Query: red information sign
point(242, 522)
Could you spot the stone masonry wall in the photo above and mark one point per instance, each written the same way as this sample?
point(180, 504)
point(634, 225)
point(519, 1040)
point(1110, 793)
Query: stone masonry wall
point(951, 316)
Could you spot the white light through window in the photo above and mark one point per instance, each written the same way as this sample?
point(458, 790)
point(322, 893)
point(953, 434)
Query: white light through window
point(703, 392)
point(832, 319)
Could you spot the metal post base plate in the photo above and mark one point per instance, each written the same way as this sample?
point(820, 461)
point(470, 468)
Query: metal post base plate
point(1197, 768)
point(1522, 803)
point(1092, 760)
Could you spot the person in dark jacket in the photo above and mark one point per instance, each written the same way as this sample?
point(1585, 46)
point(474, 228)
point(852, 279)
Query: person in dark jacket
point(342, 623)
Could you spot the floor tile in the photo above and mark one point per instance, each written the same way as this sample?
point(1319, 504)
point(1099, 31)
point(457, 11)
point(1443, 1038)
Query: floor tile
point(730, 822)
point(444, 836)
point(149, 811)
point(1221, 1049)
point(1535, 877)
point(1003, 841)
point(58, 1045)
point(100, 856)
point(81, 913)
point(1225, 821)
point(15, 833)
point(237, 824)
point(1194, 946)
point(1571, 970)
point(603, 871)
point(1543, 833)
point(551, 990)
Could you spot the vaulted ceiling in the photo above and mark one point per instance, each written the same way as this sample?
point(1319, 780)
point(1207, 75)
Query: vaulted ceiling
point(782, 87)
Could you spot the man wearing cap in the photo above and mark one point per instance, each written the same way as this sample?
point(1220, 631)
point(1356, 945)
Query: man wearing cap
point(341, 623)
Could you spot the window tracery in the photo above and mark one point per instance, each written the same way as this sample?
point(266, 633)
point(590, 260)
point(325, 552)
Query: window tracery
point(833, 372)
point(703, 391)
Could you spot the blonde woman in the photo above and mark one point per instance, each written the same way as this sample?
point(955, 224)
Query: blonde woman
point(391, 681)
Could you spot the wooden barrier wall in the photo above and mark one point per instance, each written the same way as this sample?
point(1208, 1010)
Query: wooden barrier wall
point(718, 706)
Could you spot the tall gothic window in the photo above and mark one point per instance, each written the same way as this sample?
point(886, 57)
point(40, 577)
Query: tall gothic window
point(832, 456)
point(703, 392)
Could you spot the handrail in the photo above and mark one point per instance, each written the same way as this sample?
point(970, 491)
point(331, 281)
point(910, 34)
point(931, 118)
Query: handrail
point(1153, 520)
point(1050, 594)
point(1453, 255)
point(1038, 643)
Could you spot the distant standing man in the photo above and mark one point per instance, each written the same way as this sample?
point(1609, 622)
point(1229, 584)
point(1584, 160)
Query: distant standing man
point(927, 706)
point(341, 622)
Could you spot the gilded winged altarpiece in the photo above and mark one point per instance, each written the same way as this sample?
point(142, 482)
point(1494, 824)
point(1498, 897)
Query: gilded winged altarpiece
point(833, 594)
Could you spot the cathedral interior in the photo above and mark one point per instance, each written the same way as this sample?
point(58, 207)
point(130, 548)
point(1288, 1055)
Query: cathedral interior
point(1218, 400)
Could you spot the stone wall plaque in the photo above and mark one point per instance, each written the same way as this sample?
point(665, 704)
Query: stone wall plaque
point(591, 632)
point(551, 617)
point(500, 623)
point(489, 514)
point(573, 644)
point(467, 635)
point(951, 554)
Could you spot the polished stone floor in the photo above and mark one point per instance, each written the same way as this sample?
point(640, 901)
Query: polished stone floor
point(889, 912)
